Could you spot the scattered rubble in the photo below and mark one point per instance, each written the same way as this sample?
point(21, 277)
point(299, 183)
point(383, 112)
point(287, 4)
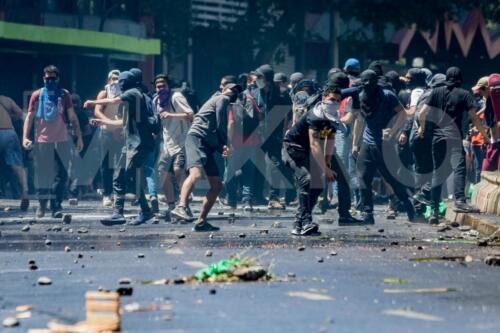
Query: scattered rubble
point(44, 281)
point(10, 322)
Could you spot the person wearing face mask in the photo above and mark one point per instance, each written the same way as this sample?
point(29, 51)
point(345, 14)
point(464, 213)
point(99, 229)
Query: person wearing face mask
point(281, 80)
point(206, 137)
point(110, 136)
point(378, 107)
point(446, 107)
point(422, 146)
point(176, 116)
point(139, 142)
point(49, 109)
point(308, 149)
point(277, 113)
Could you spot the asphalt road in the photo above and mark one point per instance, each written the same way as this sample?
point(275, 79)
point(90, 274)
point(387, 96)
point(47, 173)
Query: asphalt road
point(372, 284)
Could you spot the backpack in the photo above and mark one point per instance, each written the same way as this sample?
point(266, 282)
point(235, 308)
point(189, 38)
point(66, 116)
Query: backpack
point(153, 123)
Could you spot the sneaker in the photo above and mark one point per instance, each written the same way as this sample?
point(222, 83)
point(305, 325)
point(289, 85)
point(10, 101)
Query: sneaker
point(419, 197)
point(42, 208)
point(181, 213)
point(73, 202)
point(391, 214)
point(309, 229)
point(247, 207)
point(142, 218)
point(345, 221)
point(115, 218)
point(296, 231)
point(106, 201)
point(463, 207)
point(57, 214)
point(155, 205)
point(25, 204)
point(434, 220)
point(368, 218)
point(204, 227)
point(275, 205)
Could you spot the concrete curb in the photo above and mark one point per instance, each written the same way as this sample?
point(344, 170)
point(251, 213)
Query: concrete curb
point(481, 223)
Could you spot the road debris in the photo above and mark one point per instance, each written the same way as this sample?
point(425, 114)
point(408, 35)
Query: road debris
point(10, 322)
point(311, 296)
point(492, 260)
point(395, 281)
point(103, 315)
point(26, 228)
point(420, 291)
point(410, 314)
point(66, 219)
point(208, 253)
point(466, 258)
point(44, 281)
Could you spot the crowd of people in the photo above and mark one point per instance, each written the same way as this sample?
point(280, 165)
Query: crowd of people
point(360, 138)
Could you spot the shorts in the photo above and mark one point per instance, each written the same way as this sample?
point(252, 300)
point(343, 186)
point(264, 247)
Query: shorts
point(199, 155)
point(10, 148)
point(169, 163)
point(491, 161)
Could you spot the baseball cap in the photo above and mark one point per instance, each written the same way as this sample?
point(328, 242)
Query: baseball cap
point(234, 86)
point(481, 83)
point(352, 64)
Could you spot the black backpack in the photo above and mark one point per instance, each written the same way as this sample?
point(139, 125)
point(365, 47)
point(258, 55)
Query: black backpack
point(153, 123)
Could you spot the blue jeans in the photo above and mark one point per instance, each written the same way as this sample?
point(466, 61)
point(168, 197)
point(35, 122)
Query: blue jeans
point(240, 159)
point(150, 170)
point(477, 163)
point(343, 146)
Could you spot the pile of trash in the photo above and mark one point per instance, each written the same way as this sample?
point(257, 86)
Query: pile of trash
point(233, 269)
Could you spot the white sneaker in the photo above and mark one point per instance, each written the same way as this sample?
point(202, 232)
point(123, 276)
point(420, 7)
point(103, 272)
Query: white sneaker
point(107, 202)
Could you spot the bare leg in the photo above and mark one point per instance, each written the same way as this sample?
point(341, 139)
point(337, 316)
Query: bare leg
point(180, 175)
point(210, 198)
point(188, 185)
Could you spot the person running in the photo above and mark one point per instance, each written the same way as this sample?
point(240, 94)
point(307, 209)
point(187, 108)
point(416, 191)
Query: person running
point(308, 149)
point(422, 148)
point(176, 115)
point(206, 137)
point(110, 135)
point(139, 142)
point(10, 147)
point(378, 107)
point(449, 104)
point(50, 108)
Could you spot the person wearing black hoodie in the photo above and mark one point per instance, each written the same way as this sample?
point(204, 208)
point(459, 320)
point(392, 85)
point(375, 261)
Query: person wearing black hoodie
point(422, 147)
point(449, 104)
point(138, 144)
point(378, 107)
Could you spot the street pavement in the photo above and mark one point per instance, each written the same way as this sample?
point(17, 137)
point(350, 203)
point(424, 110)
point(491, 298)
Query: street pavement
point(349, 279)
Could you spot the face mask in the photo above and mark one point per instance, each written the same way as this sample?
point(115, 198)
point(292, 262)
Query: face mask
point(330, 108)
point(113, 89)
point(260, 83)
point(233, 97)
point(51, 83)
point(163, 96)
